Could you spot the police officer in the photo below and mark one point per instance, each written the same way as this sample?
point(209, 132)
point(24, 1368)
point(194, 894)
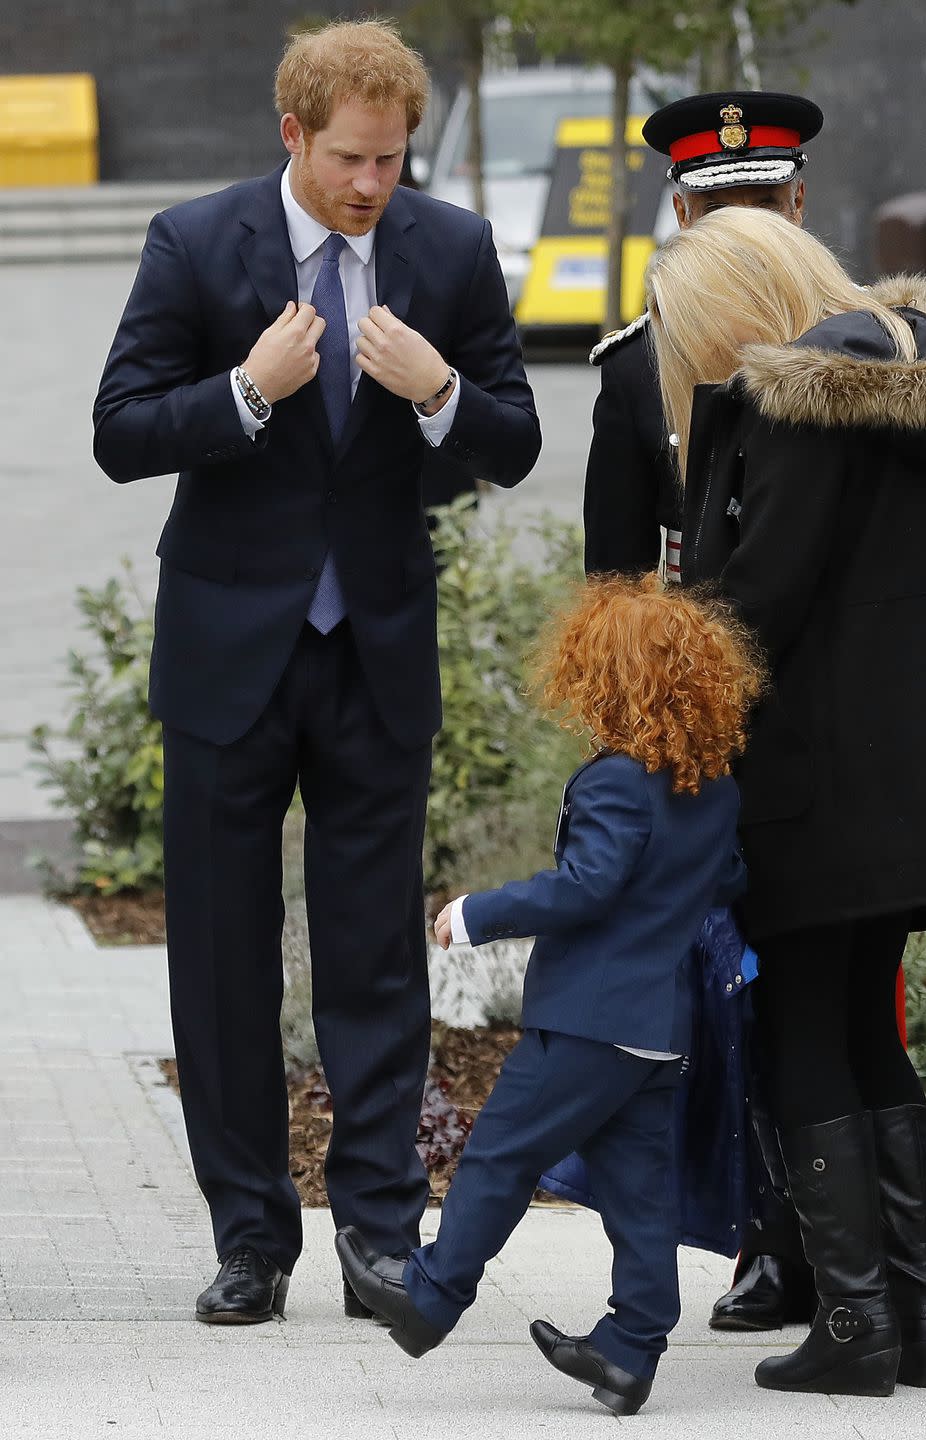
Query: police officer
point(731, 148)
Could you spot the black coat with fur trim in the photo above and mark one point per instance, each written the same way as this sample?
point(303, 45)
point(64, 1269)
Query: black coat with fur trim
point(806, 502)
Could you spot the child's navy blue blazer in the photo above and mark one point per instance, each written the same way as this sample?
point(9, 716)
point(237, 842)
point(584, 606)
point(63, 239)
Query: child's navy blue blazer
point(637, 870)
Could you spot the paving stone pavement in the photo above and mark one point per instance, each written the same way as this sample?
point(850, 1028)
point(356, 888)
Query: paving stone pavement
point(104, 1243)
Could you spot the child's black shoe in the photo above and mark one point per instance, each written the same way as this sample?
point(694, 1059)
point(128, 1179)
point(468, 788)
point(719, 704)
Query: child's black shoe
point(622, 1392)
point(376, 1281)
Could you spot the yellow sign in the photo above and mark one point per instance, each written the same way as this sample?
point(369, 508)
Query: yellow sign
point(568, 277)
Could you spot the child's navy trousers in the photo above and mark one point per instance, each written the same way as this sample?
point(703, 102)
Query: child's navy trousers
point(555, 1094)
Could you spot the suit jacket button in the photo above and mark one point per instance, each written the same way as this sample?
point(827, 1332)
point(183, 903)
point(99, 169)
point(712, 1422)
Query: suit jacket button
point(311, 574)
point(330, 498)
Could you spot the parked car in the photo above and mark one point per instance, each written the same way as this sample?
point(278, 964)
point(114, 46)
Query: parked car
point(520, 113)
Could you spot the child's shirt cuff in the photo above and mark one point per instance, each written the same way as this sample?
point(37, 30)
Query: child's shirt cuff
point(458, 931)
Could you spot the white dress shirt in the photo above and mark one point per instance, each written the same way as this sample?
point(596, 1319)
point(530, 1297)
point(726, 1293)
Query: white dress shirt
point(357, 268)
point(460, 936)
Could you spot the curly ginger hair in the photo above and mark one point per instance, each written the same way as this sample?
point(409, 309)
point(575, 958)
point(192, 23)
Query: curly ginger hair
point(656, 673)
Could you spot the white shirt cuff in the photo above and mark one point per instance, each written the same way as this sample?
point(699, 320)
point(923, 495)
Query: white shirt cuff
point(458, 932)
point(435, 428)
point(249, 423)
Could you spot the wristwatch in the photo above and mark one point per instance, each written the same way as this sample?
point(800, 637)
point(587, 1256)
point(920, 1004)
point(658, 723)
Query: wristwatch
point(258, 406)
point(422, 409)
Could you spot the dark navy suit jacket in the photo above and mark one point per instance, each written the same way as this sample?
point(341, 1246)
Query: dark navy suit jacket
point(251, 520)
point(637, 870)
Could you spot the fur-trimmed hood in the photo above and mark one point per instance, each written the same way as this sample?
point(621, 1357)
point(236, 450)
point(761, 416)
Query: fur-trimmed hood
point(843, 372)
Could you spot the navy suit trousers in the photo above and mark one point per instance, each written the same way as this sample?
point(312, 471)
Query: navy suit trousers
point(224, 807)
point(558, 1093)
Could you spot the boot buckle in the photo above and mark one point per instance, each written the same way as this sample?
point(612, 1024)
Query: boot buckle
point(856, 1321)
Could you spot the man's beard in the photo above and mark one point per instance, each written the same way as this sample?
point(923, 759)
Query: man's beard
point(334, 211)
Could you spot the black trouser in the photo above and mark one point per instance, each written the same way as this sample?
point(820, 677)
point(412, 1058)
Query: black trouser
point(826, 1007)
point(224, 808)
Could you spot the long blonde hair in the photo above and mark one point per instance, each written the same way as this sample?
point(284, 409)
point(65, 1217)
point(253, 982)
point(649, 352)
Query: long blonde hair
point(741, 276)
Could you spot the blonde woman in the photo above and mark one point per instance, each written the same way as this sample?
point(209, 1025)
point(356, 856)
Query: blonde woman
point(800, 405)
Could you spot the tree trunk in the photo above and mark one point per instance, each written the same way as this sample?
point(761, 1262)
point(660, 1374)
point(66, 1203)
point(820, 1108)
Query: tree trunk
point(474, 48)
point(620, 188)
point(746, 46)
point(718, 58)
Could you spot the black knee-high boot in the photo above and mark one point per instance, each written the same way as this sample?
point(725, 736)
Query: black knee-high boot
point(854, 1343)
point(900, 1140)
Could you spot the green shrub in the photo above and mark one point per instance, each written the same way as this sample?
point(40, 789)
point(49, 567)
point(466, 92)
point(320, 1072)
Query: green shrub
point(114, 785)
point(914, 964)
point(499, 765)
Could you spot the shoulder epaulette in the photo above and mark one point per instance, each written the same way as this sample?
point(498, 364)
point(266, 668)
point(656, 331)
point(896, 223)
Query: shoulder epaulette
point(616, 337)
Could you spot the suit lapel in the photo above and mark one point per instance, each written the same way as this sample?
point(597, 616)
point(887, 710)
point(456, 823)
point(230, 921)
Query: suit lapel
point(395, 271)
point(395, 281)
point(268, 259)
point(264, 246)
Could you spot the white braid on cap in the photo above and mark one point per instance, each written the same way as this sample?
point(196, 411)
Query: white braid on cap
point(743, 172)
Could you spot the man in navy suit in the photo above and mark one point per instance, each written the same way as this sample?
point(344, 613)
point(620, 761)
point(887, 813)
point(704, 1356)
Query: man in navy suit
point(292, 345)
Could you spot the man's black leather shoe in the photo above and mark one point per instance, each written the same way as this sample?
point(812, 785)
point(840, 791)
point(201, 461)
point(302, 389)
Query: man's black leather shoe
point(574, 1355)
point(376, 1281)
point(247, 1290)
point(768, 1293)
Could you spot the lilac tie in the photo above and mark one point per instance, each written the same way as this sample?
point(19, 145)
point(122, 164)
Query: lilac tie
point(328, 606)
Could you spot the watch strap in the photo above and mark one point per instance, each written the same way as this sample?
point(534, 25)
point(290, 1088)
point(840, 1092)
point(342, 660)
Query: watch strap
point(422, 407)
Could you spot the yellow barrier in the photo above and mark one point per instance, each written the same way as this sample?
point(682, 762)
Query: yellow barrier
point(49, 131)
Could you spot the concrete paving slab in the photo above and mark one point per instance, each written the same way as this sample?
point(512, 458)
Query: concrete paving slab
point(104, 1244)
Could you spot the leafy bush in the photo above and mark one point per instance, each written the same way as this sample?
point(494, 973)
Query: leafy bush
point(114, 785)
point(914, 963)
point(499, 765)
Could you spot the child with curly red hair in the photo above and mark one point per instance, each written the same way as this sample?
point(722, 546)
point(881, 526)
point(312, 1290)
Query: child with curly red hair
point(644, 848)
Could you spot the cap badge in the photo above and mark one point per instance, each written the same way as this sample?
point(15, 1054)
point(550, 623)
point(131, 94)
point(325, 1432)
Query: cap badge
point(733, 135)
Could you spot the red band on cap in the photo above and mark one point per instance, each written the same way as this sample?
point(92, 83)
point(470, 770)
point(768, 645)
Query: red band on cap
point(707, 142)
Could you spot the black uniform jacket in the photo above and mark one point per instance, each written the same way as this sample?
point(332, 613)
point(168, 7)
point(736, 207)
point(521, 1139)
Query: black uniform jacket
point(631, 483)
point(806, 500)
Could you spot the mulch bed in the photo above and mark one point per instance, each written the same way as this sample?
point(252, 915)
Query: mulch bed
point(133, 917)
point(465, 1067)
point(136, 917)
